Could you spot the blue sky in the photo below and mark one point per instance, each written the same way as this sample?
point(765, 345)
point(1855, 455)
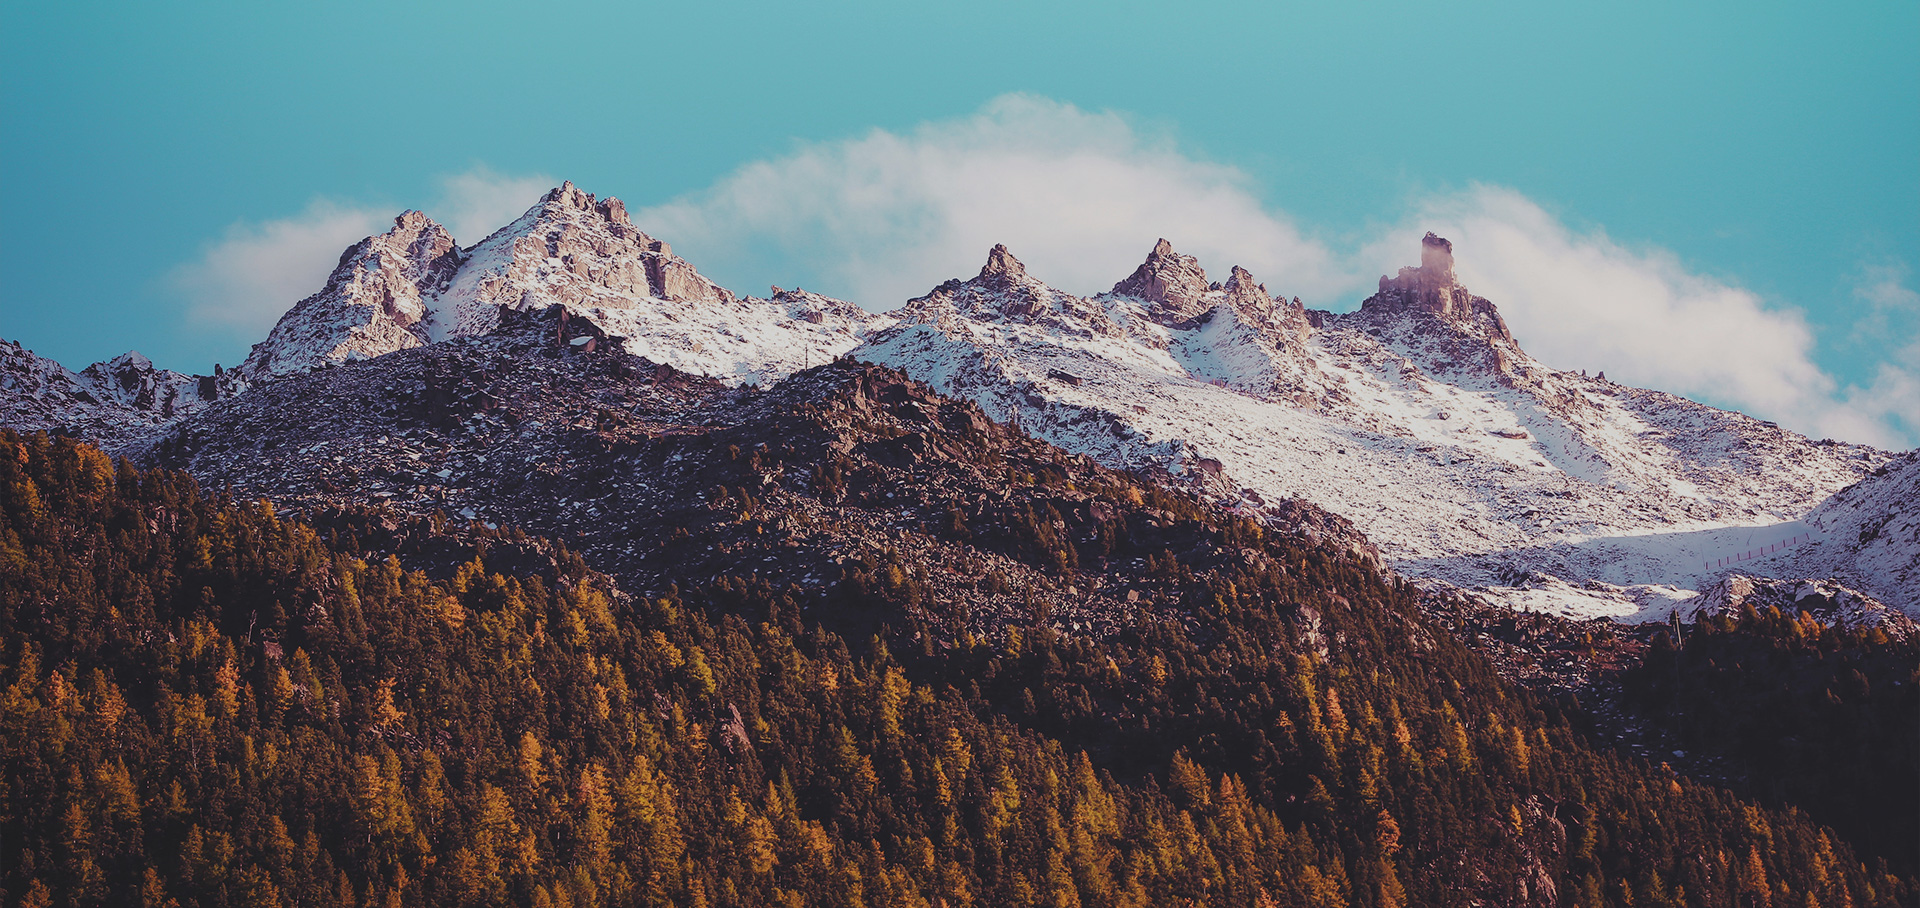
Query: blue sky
point(1734, 184)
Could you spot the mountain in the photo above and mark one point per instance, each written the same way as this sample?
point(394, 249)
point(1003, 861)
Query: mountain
point(111, 402)
point(855, 643)
point(1419, 417)
point(622, 458)
point(375, 302)
point(414, 285)
point(519, 613)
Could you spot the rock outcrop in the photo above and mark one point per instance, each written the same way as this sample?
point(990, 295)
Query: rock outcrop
point(1171, 285)
point(375, 302)
point(1829, 600)
point(1431, 287)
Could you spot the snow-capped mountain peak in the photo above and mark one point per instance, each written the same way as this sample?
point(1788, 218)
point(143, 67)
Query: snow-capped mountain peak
point(375, 301)
point(569, 249)
point(414, 285)
point(1418, 416)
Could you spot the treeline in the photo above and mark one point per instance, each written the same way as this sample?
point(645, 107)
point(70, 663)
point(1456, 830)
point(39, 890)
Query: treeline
point(202, 704)
point(1813, 714)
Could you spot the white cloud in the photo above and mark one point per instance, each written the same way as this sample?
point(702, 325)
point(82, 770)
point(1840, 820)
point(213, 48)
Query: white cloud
point(1079, 197)
point(474, 204)
point(1893, 399)
point(257, 271)
point(1582, 300)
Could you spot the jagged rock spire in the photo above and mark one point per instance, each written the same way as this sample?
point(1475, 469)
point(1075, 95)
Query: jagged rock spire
point(1241, 286)
point(1170, 283)
point(1432, 283)
point(1001, 262)
point(1436, 257)
point(1432, 287)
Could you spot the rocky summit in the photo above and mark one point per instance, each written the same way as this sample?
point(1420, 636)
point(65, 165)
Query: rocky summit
point(414, 285)
point(375, 302)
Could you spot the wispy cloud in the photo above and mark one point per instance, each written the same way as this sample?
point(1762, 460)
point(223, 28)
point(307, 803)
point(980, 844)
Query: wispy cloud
point(1892, 323)
point(244, 281)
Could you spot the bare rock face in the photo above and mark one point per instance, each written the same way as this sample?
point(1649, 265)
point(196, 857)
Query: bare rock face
point(575, 251)
point(1276, 318)
point(1002, 264)
point(1170, 283)
point(375, 302)
point(1432, 288)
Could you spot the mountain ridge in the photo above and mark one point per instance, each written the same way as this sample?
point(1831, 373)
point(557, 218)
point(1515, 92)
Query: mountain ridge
point(1417, 415)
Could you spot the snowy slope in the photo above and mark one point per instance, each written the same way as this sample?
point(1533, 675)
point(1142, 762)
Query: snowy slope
point(1868, 536)
point(1418, 417)
point(108, 402)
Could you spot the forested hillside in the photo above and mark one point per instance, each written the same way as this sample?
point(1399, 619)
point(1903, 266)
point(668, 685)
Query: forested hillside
point(204, 704)
point(1806, 713)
